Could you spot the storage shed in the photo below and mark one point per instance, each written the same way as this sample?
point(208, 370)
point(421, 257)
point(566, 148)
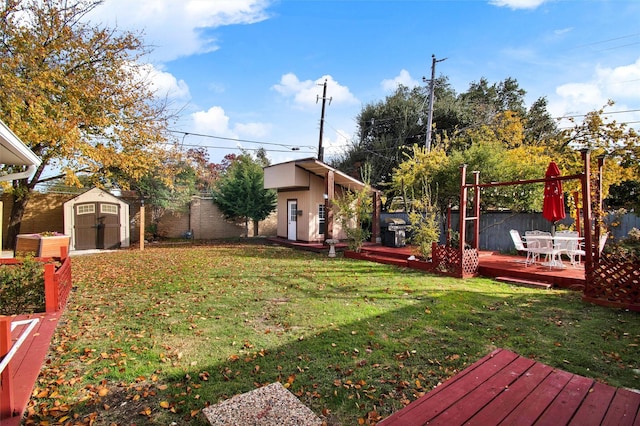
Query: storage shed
point(306, 190)
point(97, 220)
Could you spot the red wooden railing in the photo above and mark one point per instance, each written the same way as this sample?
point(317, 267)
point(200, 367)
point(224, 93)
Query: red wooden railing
point(57, 286)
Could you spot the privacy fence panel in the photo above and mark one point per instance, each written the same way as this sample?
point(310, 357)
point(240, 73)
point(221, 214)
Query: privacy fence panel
point(495, 226)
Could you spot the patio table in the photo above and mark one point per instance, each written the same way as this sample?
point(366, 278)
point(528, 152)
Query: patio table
point(555, 245)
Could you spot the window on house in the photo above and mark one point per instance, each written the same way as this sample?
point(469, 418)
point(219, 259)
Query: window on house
point(321, 219)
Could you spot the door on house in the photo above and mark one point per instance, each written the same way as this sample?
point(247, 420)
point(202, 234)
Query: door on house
point(292, 219)
point(96, 226)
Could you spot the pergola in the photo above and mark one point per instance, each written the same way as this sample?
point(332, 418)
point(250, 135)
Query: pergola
point(465, 261)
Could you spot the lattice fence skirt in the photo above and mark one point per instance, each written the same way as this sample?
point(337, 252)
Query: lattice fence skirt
point(447, 261)
point(614, 282)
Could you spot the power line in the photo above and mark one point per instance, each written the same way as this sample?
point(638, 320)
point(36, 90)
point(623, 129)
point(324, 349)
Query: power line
point(202, 135)
point(603, 113)
point(242, 149)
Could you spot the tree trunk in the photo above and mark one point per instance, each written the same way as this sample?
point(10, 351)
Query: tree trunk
point(255, 228)
point(246, 227)
point(15, 220)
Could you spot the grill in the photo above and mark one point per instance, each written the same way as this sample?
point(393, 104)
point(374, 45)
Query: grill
point(394, 232)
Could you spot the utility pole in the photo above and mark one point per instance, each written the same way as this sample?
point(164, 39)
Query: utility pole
point(324, 99)
point(432, 87)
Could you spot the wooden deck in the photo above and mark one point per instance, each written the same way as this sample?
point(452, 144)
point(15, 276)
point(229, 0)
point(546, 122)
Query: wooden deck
point(507, 389)
point(25, 365)
point(494, 265)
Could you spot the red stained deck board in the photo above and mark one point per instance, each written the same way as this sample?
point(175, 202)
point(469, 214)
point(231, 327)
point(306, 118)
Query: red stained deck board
point(594, 406)
point(538, 400)
point(623, 409)
point(562, 408)
point(504, 388)
point(507, 401)
point(447, 394)
point(25, 365)
point(475, 400)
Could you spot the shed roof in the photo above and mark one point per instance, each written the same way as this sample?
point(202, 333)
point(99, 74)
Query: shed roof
point(320, 169)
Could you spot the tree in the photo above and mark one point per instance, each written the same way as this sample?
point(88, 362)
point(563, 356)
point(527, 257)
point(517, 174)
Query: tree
point(167, 188)
point(77, 95)
point(240, 193)
point(387, 130)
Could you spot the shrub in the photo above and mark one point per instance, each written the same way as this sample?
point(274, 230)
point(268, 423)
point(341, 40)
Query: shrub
point(351, 210)
point(22, 287)
point(627, 248)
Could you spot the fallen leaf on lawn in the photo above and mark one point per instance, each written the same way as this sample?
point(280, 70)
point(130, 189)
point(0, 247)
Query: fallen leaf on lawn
point(164, 404)
point(103, 391)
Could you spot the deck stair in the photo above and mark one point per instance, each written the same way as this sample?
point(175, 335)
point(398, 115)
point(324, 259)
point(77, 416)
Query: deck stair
point(396, 257)
point(525, 283)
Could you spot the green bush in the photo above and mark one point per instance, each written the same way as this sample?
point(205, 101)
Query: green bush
point(626, 250)
point(22, 288)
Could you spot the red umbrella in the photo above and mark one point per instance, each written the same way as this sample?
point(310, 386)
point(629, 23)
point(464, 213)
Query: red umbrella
point(553, 206)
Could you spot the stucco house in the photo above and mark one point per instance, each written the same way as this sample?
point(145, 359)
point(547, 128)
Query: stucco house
point(306, 189)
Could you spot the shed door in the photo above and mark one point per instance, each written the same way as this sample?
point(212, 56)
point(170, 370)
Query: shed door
point(97, 226)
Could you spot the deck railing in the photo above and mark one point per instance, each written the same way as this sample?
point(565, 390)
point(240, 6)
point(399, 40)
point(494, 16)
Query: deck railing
point(7, 351)
point(57, 286)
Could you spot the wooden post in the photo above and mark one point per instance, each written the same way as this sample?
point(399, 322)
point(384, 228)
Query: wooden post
point(476, 210)
point(599, 212)
point(329, 187)
point(586, 209)
point(576, 199)
point(142, 225)
point(50, 289)
point(375, 225)
point(448, 232)
point(6, 396)
point(463, 211)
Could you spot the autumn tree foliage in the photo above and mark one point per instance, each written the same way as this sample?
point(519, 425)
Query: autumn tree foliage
point(77, 95)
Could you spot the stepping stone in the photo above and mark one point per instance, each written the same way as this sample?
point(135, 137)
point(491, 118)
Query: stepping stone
point(271, 405)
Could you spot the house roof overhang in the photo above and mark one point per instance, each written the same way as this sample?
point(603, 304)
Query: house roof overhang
point(318, 168)
point(14, 152)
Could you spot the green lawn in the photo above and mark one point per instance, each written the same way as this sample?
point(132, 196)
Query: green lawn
point(152, 337)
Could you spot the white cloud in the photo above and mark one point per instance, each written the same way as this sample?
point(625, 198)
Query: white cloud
point(214, 121)
point(620, 84)
point(306, 94)
point(252, 130)
point(403, 78)
point(177, 28)
point(335, 143)
point(164, 84)
point(517, 4)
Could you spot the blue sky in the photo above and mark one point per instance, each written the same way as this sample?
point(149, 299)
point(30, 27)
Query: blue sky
point(252, 70)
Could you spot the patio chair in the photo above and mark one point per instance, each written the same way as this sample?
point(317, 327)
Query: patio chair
point(576, 251)
point(542, 243)
point(530, 249)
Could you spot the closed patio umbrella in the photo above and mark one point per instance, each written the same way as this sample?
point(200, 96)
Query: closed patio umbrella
point(553, 206)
